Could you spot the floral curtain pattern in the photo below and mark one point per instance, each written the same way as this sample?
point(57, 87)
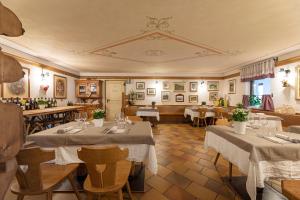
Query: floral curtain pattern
point(258, 70)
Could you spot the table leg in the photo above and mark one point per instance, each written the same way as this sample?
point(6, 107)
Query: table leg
point(230, 171)
point(217, 158)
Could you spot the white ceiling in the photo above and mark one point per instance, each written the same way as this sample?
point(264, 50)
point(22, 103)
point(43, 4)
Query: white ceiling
point(170, 36)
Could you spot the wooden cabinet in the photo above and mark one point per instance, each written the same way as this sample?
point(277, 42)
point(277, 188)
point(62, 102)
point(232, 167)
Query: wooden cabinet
point(89, 89)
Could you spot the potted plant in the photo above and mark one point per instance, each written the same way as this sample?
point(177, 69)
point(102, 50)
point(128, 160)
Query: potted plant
point(42, 104)
point(240, 117)
point(254, 101)
point(98, 117)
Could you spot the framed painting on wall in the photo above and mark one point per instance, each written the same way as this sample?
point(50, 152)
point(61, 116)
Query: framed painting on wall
point(193, 98)
point(179, 98)
point(140, 85)
point(151, 91)
point(213, 96)
point(165, 96)
point(166, 85)
point(179, 87)
point(20, 88)
point(297, 83)
point(140, 96)
point(60, 87)
point(232, 86)
point(193, 86)
point(212, 85)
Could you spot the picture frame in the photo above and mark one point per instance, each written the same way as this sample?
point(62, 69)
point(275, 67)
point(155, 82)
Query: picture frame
point(193, 86)
point(179, 86)
point(140, 85)
point(193, 98)
point(151, 91)
point(166, 85)
point(165, 96)
point(140, 95)
point(179, 98)
point(232, 86)
point(20, 88)
point(59, 87)
point(212, 85)
point(213, 96)
point(297, 86)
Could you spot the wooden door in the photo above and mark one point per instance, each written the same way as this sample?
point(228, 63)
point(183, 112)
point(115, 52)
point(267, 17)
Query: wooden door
point(114, 91)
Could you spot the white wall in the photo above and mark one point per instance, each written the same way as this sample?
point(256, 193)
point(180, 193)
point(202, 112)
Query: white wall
point(157, 83)
point(36, 81)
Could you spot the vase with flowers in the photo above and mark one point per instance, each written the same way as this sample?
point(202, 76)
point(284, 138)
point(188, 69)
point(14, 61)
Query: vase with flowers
point(98, 117)
point(240, 117)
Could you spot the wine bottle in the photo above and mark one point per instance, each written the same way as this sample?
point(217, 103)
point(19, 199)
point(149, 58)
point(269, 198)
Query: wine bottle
point(27, 107)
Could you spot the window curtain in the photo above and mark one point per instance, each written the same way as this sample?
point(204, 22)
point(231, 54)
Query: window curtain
point(267, 102)
point(258, 70)
point(245, 101)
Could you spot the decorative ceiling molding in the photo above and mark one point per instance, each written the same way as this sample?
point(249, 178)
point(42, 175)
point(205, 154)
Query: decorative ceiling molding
point(157, 24)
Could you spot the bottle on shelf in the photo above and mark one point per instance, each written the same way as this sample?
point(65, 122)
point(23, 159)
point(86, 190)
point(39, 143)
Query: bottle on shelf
point(18, 102)
point(35, 104)
point(55, 103)
point(27, 106)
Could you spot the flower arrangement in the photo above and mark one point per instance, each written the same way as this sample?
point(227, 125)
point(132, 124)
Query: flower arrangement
point(239, 105)
point(254, 100)
point(41, 102)
point(240, 115)
point(99, 114)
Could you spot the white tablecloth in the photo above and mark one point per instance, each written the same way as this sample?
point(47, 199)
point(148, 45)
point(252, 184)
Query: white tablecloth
point(195, 114)
point(145, 113)
point(257, 172)
point(137, 152)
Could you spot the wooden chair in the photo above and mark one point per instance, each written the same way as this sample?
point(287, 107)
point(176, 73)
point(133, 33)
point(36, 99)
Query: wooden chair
point(39, 177)
point(218, 114)
point(202, 116)
point(135, 118)
point(223, 122)
point(108, 170)
point(291, 189)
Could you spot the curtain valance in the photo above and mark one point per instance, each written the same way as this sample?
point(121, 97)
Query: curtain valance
point(258, 70)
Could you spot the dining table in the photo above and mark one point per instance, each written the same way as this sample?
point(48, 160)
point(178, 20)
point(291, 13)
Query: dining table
point(262, 153)
point(193, 112)
point(148, 112)
point(67, 138)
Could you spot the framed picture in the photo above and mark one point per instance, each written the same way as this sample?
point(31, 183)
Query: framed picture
point(151, 91)
point(165, 96)
point(232, 86)
point(193, 86)
point(179, 86)
point(20, 89)
point(193, 98)
point(213, 96)
point(179, 98)
point(166, 85)
point(60, 87)
point(297, 83)
point(140, 96)
point(140, 85)
point(93, 88)
point(213, 85)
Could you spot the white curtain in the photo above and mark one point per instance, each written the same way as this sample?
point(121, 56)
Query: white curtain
point(258, 70)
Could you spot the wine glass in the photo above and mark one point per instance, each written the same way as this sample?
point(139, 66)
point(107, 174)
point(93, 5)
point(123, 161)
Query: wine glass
point(84, 117)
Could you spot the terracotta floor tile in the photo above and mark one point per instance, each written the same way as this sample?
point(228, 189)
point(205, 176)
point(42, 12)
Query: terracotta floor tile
point(178, 180)
point(193, 166)
point(158, 183)
point(163, 171)
point(201, 192)
point(196, 177)
point(206, 163)
point(220, 197)
point(176, 193)
point(212, 173)
point(219, 188)
point(178, 167)
point(153, 195)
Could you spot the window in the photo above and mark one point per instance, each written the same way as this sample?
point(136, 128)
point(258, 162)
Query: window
point(259, 88)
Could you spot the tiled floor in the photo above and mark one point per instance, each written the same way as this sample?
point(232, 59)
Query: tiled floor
point(186, 169)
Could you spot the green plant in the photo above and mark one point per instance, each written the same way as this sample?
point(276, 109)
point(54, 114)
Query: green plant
point(254, 100)
point(239, 105)
point(221, 101)
point(240, 115)
point(41, 102)
point(98, 114)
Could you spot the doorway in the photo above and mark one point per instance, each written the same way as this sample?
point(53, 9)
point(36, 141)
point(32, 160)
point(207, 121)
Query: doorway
point(114, 90)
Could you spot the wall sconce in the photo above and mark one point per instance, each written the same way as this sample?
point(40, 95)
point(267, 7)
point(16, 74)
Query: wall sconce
point(44, 75)
point(201, 82)
point(284, 81)
point(44, 86)
point(287, 71)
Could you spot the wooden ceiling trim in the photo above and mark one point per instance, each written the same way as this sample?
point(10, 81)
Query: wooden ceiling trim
point(287, 61)
point(47, 67)
point(151, 77)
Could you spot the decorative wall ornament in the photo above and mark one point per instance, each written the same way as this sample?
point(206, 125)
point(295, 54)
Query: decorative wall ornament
point(151, 91)
point(179, 98)
point(60, 87)
point(193, 98)
point(179, 87)
point(212, 85)
point(140, 85)
point(157, 24)
point(232, 86)
point(153, 52)
point(213, 96)
point(107, 52)
point(165, 96)
point(140, 96)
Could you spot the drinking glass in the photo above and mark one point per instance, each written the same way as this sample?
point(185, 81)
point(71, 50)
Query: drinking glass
point(84, 117)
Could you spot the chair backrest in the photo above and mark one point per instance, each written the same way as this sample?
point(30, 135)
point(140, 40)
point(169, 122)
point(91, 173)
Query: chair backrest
point(202, 112)
point(219, 112)
point(223, 122)
point(101, 163)
point(135, 118)
point(29, 170)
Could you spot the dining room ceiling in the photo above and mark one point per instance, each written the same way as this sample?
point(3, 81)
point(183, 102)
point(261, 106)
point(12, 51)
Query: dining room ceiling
point(170, 36)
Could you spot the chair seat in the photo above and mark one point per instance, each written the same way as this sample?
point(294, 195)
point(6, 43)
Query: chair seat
point(51, 175)
point(291, 189)
point(122, 173)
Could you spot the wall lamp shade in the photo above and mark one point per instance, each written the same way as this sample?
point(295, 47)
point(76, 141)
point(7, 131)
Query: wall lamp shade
point(10, 69)
point(10, 25)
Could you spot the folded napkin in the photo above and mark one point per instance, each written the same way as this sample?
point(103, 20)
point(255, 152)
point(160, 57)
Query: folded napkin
point(69, 129)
